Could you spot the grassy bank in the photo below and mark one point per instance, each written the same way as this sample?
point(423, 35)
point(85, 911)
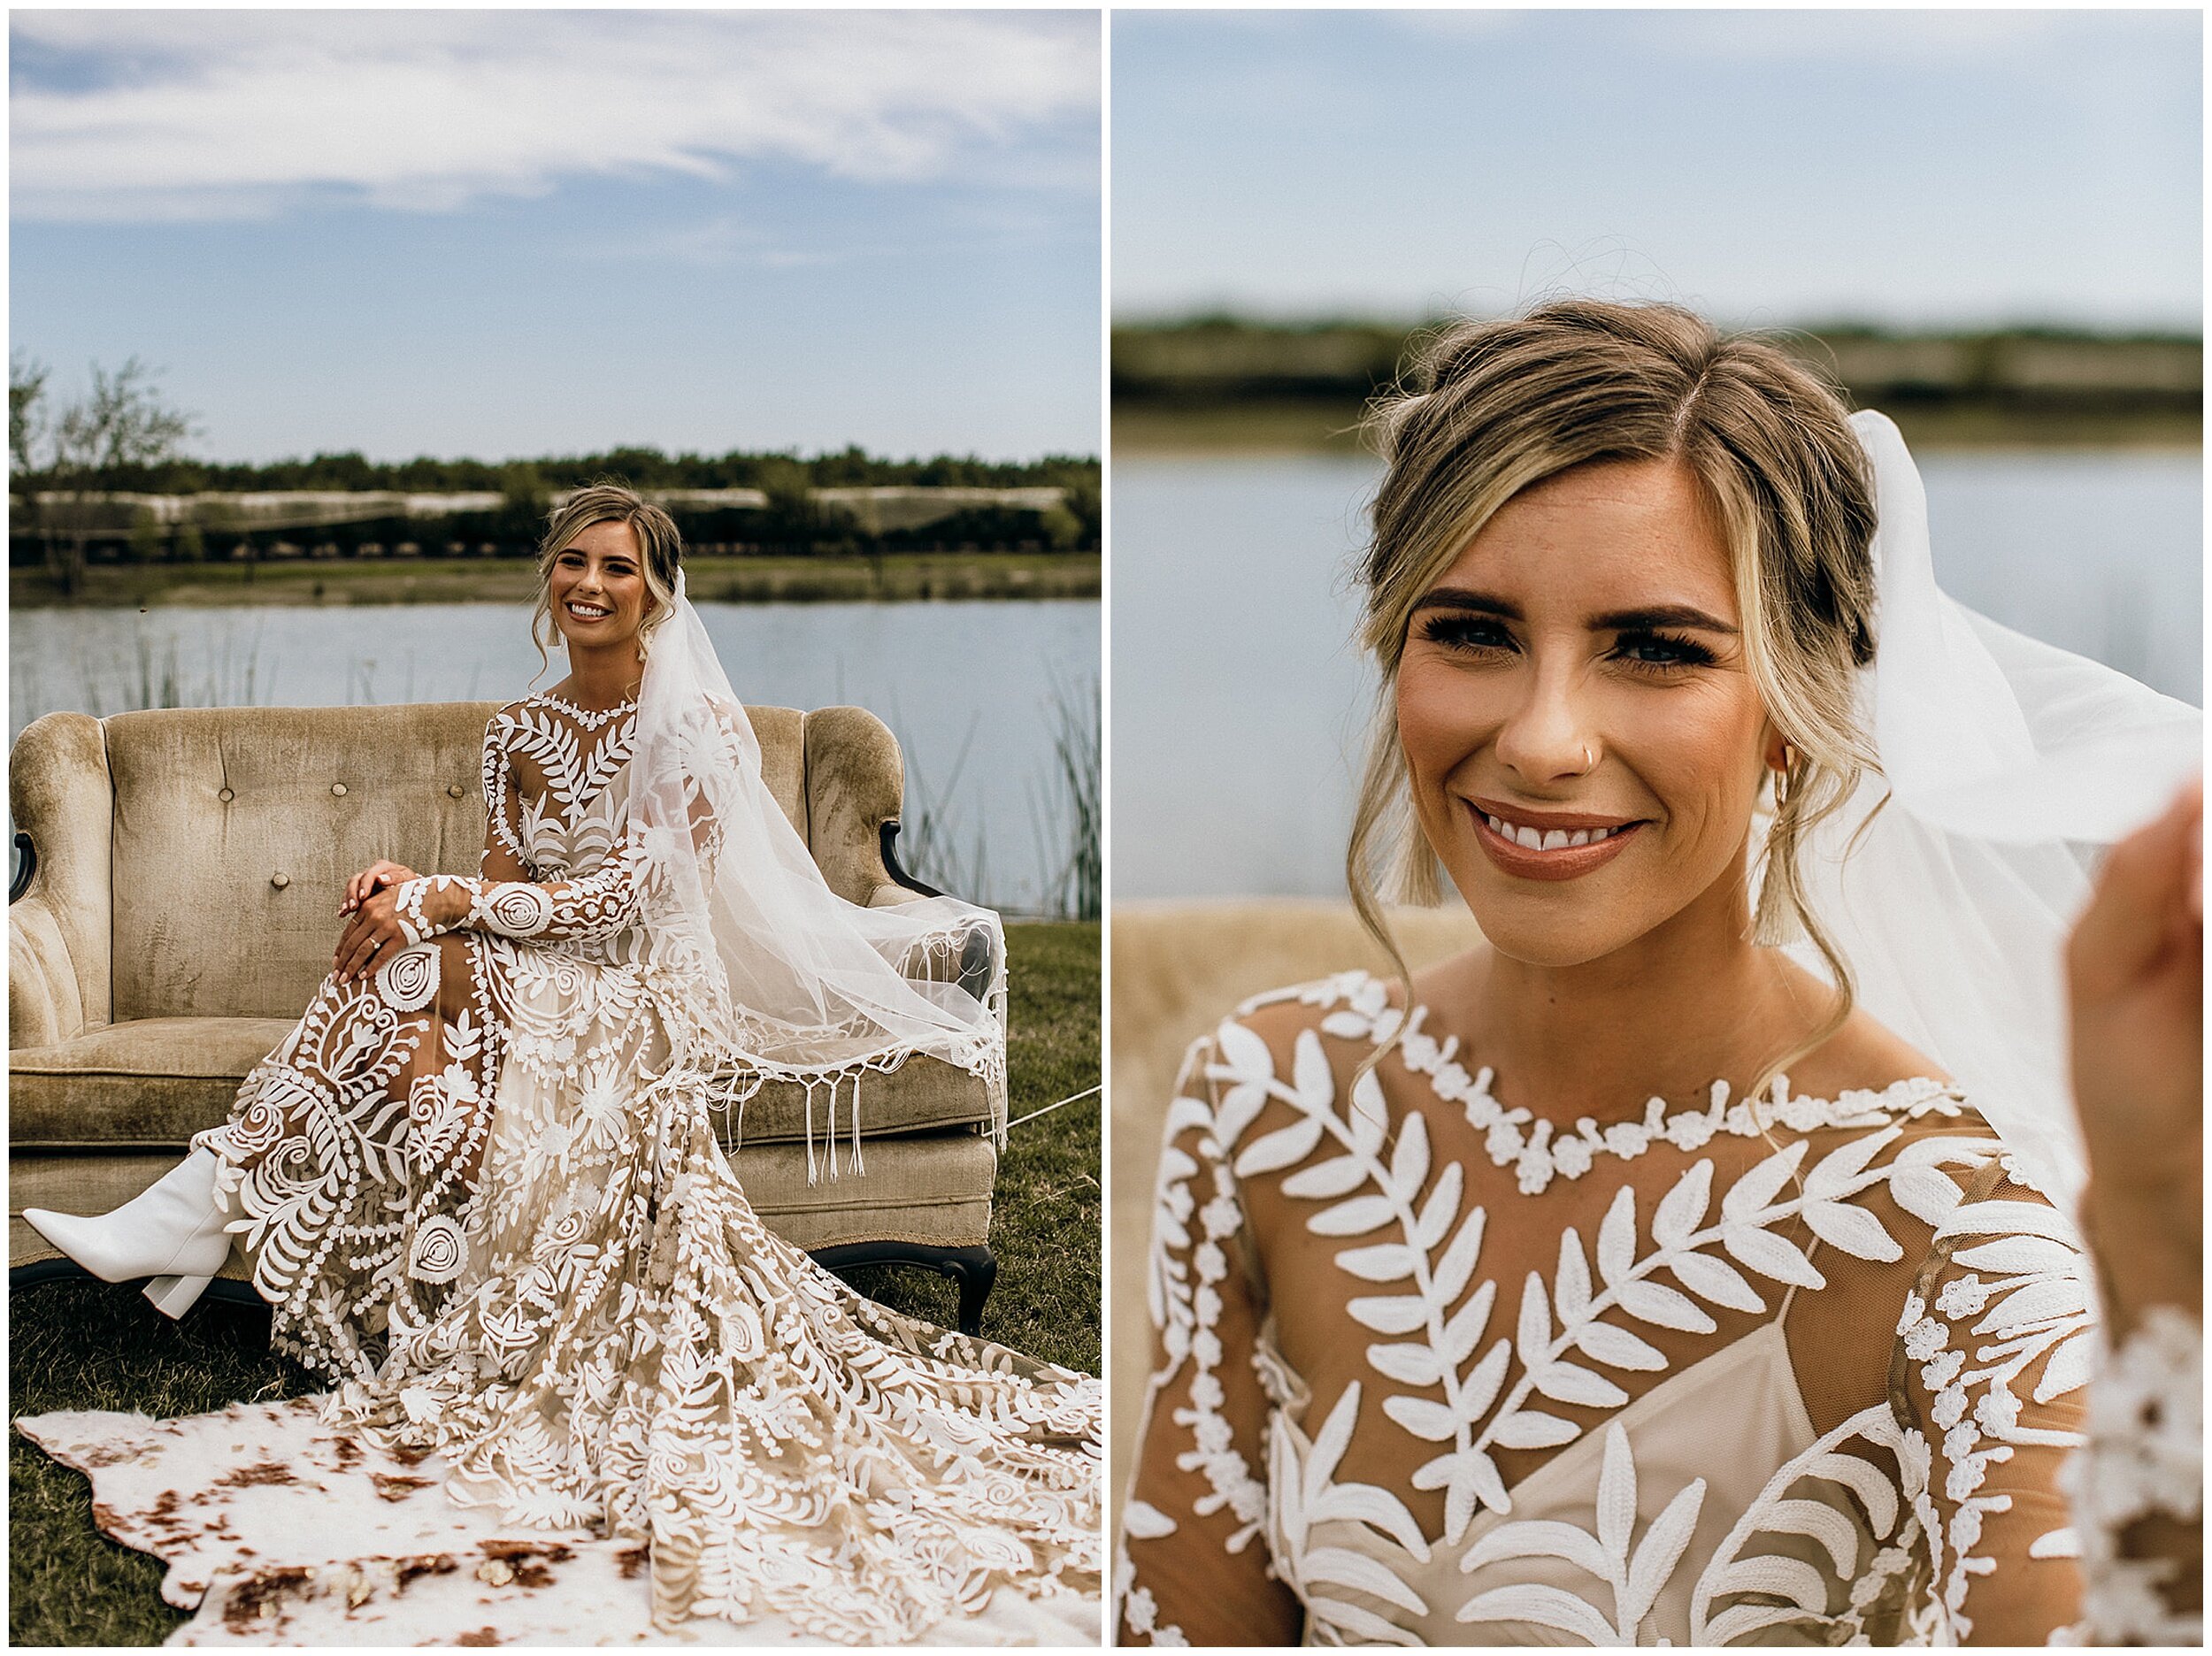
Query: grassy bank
point(1332, 426)
point(85, 1344)
point(894, 578)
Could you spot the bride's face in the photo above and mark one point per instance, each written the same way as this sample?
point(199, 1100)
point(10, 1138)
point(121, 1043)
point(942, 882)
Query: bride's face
point(1577, 678)
point(597, 588)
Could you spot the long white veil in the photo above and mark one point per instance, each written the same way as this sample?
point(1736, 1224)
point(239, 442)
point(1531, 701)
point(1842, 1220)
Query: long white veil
point(2008, 767)
point(773, 976)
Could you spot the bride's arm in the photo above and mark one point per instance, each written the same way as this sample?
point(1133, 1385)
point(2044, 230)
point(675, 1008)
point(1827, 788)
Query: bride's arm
point(502, 898)
point(1196, 1567)
point(1993, 1354)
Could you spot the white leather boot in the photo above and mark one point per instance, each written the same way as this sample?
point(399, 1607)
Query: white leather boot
point(172, 1231)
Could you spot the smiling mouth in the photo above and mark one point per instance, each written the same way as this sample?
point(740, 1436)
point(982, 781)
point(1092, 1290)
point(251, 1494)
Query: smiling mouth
point(588, 612)
point(1532, 839)
point(1568, 848)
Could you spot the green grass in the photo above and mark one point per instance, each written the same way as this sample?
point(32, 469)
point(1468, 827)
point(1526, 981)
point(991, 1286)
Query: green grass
point(896, 577)
point(86, 1345)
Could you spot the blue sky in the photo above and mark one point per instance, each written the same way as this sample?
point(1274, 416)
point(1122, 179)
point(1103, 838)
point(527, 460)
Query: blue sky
point(1770, 167)
point(509, 233)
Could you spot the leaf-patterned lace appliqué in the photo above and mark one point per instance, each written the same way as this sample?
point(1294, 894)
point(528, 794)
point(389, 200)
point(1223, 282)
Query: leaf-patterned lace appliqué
point(1895, 1521)
point(1635, 1573)
point(1562, 1337)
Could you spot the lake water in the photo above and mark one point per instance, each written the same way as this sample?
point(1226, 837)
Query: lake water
point(969, 689)
point(1239, 707)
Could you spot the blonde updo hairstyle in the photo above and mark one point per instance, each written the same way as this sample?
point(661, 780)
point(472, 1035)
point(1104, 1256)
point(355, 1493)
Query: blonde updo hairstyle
point(660, 547)
point(1495, 408)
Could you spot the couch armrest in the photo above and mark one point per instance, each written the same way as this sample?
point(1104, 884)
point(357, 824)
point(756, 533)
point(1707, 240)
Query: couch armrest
point(43, 1005)
point(62, 797)
point(854, 783)
point(891, 895)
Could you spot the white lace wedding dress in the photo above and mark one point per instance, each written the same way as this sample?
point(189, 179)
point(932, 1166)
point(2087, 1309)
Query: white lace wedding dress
point(1435, 1371)
point(478, 1214)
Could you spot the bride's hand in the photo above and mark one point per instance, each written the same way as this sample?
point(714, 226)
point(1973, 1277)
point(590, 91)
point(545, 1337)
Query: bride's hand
point(374, 878)
point(2135, 983)
point(371, 937)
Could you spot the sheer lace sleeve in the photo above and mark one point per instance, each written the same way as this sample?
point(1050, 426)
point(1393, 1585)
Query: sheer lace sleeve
point(1196, 1566)
point(1995, 1348)
point(597, 906)
point(504, 857)
point(503, 899)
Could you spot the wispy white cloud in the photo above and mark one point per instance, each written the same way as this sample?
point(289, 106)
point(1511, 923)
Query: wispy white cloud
point(132, 116)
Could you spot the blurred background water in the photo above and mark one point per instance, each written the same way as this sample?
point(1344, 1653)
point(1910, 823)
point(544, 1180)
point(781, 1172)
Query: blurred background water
point(1240, 706)
point(980, 696)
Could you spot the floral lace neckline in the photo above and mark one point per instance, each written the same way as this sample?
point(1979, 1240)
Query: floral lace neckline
point(1540, 1151)
point(590, 718)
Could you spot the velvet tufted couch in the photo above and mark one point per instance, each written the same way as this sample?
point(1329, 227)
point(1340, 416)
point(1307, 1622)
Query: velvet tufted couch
point(175, 906)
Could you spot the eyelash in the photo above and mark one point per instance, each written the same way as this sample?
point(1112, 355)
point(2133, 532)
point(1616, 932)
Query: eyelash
point(1460, 633)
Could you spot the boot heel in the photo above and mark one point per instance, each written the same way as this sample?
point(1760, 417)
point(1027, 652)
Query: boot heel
point(173, 1296)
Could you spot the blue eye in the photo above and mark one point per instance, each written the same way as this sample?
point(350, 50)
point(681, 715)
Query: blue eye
point(1471, 632)
point(1660, 651)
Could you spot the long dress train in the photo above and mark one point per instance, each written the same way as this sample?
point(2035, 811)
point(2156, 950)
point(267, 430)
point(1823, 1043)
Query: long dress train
point(489, 1209)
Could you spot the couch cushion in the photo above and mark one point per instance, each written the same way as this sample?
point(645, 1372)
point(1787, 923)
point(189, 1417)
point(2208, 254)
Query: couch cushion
point(922, 1096)
point(214, 807)
point(149, 1084)
point(154, 1082)
point(936, 1191)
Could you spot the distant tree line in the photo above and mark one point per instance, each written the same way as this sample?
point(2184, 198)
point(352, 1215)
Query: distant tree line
point(783, 471)
point(1222, 359)
point(68, 461)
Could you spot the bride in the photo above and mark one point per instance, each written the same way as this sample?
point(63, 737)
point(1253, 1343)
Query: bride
point(479, 1183)
point(1689, 1263)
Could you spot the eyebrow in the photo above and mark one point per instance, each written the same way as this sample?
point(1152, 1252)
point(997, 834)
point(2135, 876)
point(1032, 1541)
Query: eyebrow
point(1686, 616)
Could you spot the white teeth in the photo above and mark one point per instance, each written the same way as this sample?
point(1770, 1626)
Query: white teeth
point(1538, 839)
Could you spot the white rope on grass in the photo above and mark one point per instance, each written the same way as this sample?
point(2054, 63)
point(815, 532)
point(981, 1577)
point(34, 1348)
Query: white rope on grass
point(1049, 1109)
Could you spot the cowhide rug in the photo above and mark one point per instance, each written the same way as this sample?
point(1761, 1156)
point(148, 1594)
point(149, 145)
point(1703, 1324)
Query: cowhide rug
point(277, 1530)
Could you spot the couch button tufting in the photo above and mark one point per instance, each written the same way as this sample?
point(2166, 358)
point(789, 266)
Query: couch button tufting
point(227, 796)
point(456, 790)
point(279, 879)
point(338, 788)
